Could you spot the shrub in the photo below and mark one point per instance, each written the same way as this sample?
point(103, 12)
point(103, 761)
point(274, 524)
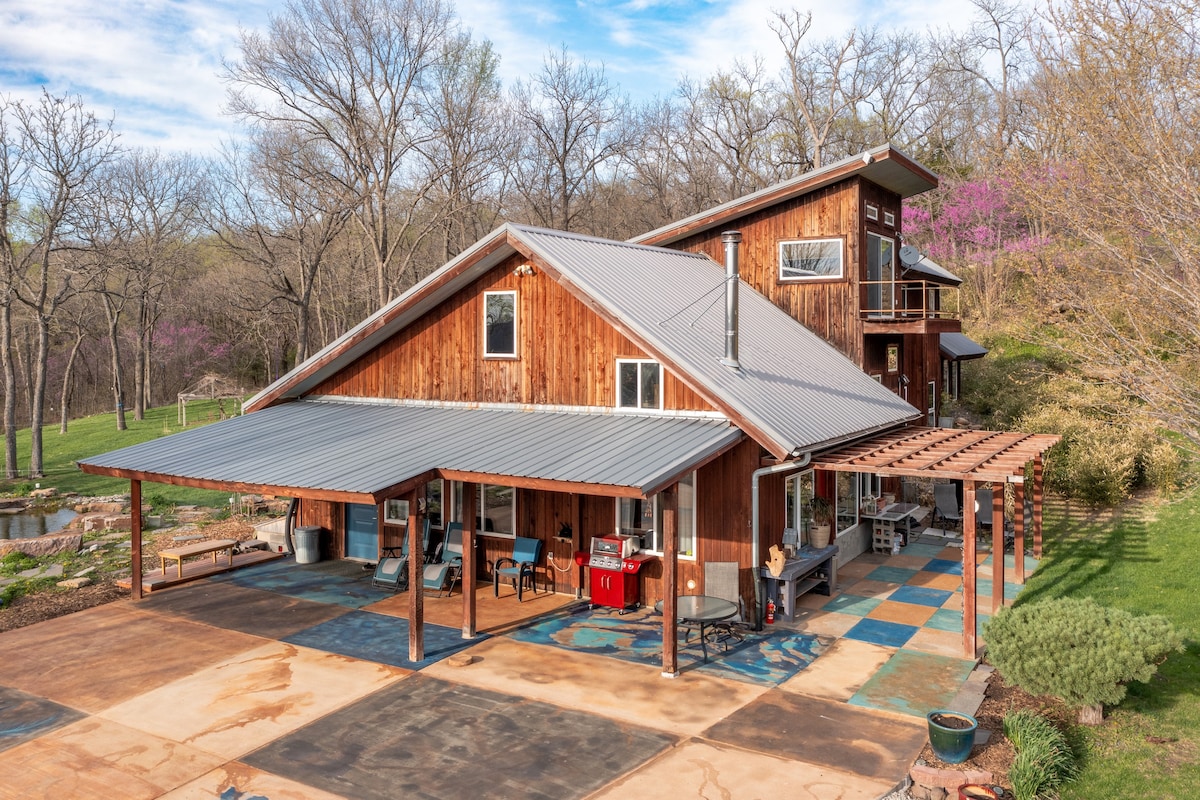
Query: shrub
point(1044, 759)
point(1078, 650)
point(15, 561)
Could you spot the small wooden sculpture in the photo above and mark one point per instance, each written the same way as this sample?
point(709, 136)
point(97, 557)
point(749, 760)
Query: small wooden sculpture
point(775, 565)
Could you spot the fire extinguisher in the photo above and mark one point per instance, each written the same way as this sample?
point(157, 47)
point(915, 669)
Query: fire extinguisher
point(771, 611)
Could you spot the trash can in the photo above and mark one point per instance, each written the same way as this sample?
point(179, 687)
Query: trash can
point(308, 544)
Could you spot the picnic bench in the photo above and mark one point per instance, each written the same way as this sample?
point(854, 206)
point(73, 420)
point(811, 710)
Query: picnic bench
point(214, 546)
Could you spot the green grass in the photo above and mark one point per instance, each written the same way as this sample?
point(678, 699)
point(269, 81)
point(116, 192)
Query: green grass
point(1143, 558)
point(98, 434)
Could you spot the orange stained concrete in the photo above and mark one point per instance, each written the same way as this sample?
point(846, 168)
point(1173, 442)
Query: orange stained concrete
point(492, 613)
point(698, 769)
point(235, 706)
point(97, 758)
point(840, 671)
point(825, 623)
point(880, 590)
point(936, 580)
point(248, 782)
point(942, 643)
point(902, 613)
point(634, 693)
point(906, 562)
point(855, 569)
point(128, 651)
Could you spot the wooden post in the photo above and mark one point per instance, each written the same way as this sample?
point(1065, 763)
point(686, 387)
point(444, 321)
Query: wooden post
point(1037, 506)
point(470, 490)
point(969, 584)
point(1019, 532)
point(669, 503)
point(135, 539)
point(577, 543)
point(416, 574)
point(998, 547)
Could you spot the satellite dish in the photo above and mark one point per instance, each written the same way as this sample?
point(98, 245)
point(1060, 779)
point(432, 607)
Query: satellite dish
point(909, 255)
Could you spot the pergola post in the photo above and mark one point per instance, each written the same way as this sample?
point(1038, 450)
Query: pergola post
point(467, 581)
point(135, 539)
point(998, 546)
point(1019, 532)
point(416, 588)
point(969, 582)
point(669, 503)
point(1037, 506)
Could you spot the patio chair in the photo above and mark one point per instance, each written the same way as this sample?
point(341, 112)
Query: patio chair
point(392, 572)
point(447, 570)
point(983, 512)
point(946, 507)
point(721, 580)
point(518, 567)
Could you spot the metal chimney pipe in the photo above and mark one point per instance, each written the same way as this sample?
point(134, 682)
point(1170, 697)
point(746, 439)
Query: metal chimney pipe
point(731, 239)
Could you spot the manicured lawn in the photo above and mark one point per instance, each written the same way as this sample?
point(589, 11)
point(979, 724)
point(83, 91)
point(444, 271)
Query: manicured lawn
point(1143, 558)
point(98, 434)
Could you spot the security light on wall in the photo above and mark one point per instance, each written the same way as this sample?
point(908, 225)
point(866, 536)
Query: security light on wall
point(523, 269)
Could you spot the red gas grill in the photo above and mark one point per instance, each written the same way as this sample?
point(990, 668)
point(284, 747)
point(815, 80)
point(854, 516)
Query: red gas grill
point(615, 563)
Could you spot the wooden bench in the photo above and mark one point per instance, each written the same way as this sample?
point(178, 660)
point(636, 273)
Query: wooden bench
point(214, 546)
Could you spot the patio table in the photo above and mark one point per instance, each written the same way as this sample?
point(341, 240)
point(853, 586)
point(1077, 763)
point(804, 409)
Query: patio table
point(701, 610)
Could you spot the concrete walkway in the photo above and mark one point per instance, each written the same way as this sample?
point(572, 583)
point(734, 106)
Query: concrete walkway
point(223, 689)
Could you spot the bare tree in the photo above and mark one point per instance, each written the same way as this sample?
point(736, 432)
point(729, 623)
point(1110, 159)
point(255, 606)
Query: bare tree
point(575, 127)
point(352, 77)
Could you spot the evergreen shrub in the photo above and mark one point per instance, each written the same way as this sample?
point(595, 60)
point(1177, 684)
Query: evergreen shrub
point(1078, 650)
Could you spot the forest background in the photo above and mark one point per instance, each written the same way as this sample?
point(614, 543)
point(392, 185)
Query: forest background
point(379, 143)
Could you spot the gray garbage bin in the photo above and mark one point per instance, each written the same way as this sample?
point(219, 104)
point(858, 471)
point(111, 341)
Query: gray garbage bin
point(308, 544)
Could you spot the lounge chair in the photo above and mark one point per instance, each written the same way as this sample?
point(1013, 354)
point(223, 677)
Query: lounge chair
point(946, 507)
point(447, 570)
point(518, 567)
point(392, 573)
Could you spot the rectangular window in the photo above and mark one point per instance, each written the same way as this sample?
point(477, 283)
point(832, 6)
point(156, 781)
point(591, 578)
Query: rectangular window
point(395, 511)
point(881, 275)
point(644, 518)
point(500, 324)
point(872, 212)
point(889, 219)
point(932, 403)
point(499, 508)
point(799, 496)
point(639, 384)
point(810, 258)
point(893, 358)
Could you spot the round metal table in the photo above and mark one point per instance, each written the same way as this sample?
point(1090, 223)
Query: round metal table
point(701, 610)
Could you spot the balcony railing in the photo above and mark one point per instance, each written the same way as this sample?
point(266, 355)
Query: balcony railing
point(907, 300)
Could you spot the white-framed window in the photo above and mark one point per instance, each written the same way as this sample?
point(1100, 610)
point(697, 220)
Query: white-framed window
point(495, 509)
point(799, 490)
point(808, 259)
point(639, 384)
point(872, 212)
point(644, 518)
point(395, 511)
point(881, 275)
point(932, 399)
point(500, 324)
point(889, 219)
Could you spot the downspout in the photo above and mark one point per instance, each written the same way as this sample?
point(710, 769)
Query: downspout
point(796, 465)
point(289, 524)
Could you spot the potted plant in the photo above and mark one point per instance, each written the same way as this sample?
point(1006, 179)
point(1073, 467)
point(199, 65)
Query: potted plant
point(822, 517)
point(951, 735)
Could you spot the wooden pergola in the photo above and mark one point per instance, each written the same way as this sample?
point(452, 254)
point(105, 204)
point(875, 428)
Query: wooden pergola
point(974, 457)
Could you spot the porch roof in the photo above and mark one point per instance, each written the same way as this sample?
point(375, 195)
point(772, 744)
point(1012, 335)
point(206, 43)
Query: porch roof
point(368, 451)
point(956, 454)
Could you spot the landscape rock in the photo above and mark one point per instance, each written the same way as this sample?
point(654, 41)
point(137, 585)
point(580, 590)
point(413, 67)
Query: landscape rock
point(75, 583)
point(123, 522)
point(48, 545)
point(83, 572)
point(49, 491)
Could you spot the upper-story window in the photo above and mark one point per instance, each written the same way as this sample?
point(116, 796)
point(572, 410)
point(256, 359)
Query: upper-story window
point(810, 258)
point(500, 324)
point(639, 384)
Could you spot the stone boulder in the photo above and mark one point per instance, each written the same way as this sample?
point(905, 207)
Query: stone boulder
point(48, 545)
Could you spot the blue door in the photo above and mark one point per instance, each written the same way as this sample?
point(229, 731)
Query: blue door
point(362, 531)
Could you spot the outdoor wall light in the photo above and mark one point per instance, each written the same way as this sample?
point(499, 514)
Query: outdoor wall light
point(523, 269)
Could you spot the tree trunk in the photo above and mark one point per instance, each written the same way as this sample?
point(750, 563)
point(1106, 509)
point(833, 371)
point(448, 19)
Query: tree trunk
point(64, 399)
point(114, 345)
point(37, 403)
point(1091, 715)
point(10, 393)
point(139, 363)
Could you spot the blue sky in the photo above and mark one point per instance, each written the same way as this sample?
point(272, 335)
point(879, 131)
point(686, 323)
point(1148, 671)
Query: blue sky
point(154, 64)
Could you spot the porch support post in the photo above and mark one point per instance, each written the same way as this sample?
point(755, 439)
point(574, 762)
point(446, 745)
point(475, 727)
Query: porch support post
point(135, 539)
point(969, 584)
point(998, 547)
point(1019, 532)
point(416, 589)
point(1037, 506)
point(468, 560)
point(669, 503)
point(577, 542)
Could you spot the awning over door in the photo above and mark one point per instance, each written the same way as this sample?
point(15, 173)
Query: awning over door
point(958, 347)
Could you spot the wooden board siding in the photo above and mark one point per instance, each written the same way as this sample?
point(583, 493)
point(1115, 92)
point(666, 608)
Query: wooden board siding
point(330, 516)
point(566, 353)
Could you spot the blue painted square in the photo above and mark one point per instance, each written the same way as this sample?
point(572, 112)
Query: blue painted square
point(945, 619)
point(852, 604)
point(312, 585)
point(892, 574)
point(380, 638)
point(877, 631)
point(944, 566)
point(923, 549)
point(921, 596)
point(984, 589)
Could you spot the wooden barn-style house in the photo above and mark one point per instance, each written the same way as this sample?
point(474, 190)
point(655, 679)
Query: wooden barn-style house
point(696, 388)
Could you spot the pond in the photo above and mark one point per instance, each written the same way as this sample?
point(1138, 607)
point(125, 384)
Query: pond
point(28, 524)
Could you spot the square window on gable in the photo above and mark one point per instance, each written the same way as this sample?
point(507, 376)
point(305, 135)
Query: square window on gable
point(889, 219)
point(639, 384)
point(810, 259)
point(500, 324)
point(872, 212)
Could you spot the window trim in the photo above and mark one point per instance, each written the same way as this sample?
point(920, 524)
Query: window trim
point(841, 259)
point(640, 363)
point(487, 354)
point(872, 212)
point(683, 554)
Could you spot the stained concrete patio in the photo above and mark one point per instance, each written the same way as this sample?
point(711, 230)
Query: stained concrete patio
point(283, 681)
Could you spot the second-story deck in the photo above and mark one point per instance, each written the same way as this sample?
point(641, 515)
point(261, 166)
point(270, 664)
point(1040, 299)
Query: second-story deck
point(908, 306)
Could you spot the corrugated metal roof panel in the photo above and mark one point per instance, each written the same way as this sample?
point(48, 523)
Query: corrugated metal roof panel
point(364, 448)
point(935, 271)
point(959, 347)
point(793, 386)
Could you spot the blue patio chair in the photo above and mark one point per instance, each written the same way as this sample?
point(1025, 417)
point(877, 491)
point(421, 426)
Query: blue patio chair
point(447, 570)
point(392, 573)
point(520, 566)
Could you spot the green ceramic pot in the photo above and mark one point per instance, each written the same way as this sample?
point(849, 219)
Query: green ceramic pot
point(951, 735)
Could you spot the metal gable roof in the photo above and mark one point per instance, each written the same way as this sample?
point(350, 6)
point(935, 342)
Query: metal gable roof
point(960, 347)
point(793, 387)
point(366, 448)
point(931, 269)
